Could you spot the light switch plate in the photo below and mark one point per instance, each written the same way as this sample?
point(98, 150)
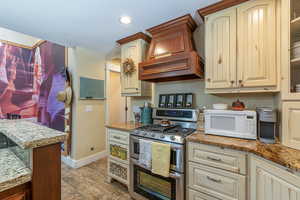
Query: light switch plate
point(88, 108)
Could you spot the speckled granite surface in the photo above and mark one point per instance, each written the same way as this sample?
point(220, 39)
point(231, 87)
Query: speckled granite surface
point(13, 171)
point(277, 153)
point(129, 126)
point(30, 135)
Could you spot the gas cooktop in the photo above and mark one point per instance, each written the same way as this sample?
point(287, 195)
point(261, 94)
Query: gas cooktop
point(172, 133)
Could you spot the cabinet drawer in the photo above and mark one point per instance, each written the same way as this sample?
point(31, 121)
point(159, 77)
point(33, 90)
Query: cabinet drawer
point(226, 159)
point(119, 136)
point(194, 195)
point(119, 151)
point(118, 171)
point(217, 183)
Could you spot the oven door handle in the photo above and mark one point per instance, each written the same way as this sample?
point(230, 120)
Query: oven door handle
point(173, 175)
point(136, 162)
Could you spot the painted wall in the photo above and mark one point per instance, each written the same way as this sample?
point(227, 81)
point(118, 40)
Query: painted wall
point(88, 126)
point(19, 38)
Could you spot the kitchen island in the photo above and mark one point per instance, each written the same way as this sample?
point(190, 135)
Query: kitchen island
point(30, 162)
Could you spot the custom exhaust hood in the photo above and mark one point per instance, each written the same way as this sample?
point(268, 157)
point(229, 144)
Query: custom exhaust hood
point(172, 55)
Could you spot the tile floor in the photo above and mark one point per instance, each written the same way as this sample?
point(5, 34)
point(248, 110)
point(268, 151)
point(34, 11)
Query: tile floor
point(90, 183)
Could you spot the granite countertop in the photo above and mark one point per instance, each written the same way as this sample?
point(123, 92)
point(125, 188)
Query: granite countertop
point(129, 126)
point(13, 171)
point(277, 153)
point(30, 135)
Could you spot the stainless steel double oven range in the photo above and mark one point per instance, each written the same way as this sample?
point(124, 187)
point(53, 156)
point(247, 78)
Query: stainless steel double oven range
point(143, 183)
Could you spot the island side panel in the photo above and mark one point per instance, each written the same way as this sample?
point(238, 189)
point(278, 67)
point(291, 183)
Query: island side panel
point(46, 178)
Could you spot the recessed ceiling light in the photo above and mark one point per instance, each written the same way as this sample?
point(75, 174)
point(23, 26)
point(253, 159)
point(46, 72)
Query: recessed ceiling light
point(125, 20)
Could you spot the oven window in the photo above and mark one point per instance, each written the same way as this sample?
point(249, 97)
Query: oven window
point(223, 123)
point(153, 186)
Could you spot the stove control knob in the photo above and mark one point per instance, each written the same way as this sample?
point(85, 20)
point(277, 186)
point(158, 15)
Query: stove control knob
point(172, 137)
point(144, 134)
point(162, 136)
point(152, 135)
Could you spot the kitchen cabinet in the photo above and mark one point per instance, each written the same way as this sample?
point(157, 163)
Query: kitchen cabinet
point(119, 155)
point(271, 182)
point(257, 44)
point(20, 196)
point(21, 192)
point(290, 74)
point(290, 60)
point(134, 48)
point(215, 173)
point(241, 48)
point(221, 49)
point(290, 124)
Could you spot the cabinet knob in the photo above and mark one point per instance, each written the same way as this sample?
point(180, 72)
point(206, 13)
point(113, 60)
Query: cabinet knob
point(232, 82)
point(208, 80)
point(241, 83)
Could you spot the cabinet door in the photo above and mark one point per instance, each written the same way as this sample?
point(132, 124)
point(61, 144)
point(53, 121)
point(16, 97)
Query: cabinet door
point(269, 182)
point(129, 82)
point(291, 125)
point(257, 44)
point(221, 49)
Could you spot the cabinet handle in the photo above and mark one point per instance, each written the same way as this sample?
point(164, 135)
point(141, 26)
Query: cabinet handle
point(214, 180)
point(214, 159)
point(117, 137)
point(220, 60)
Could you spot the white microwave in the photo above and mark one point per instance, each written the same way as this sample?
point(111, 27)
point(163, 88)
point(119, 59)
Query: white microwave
point(238, 124)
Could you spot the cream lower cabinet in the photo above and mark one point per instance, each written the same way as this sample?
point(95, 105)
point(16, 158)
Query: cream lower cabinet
point(119, 155)
point(215, 173)
point(291, 124)
point(130, 83)
point(271, 182)
point(241, 48)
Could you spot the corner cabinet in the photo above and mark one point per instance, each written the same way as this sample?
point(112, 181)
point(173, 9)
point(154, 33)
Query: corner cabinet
point(241, 48)
point(290, 56)
point(290, 94)
point(271, 182)
point(134, 47)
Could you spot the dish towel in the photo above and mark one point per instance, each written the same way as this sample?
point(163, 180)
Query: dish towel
point(145, 155)
point(161, 154)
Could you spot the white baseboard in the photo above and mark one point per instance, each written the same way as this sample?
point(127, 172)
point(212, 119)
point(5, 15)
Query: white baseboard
point(84, 161)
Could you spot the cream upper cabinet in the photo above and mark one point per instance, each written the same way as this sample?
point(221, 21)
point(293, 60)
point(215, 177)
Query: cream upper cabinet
point(270, 182)
point(130, 83)
point(257, 44)
point(221, 49)
point(291, 124)
point(241, 48)
point(290, 57)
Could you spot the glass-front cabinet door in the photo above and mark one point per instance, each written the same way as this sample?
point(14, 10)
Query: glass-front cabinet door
point(290, 49)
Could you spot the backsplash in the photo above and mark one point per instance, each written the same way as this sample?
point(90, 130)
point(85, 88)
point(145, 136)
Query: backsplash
point(202, 99)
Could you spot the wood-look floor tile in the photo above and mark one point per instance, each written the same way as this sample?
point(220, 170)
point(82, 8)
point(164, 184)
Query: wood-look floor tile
point(90, 183)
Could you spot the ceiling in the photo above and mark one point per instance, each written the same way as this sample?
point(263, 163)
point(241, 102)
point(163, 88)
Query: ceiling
point(92, 24)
